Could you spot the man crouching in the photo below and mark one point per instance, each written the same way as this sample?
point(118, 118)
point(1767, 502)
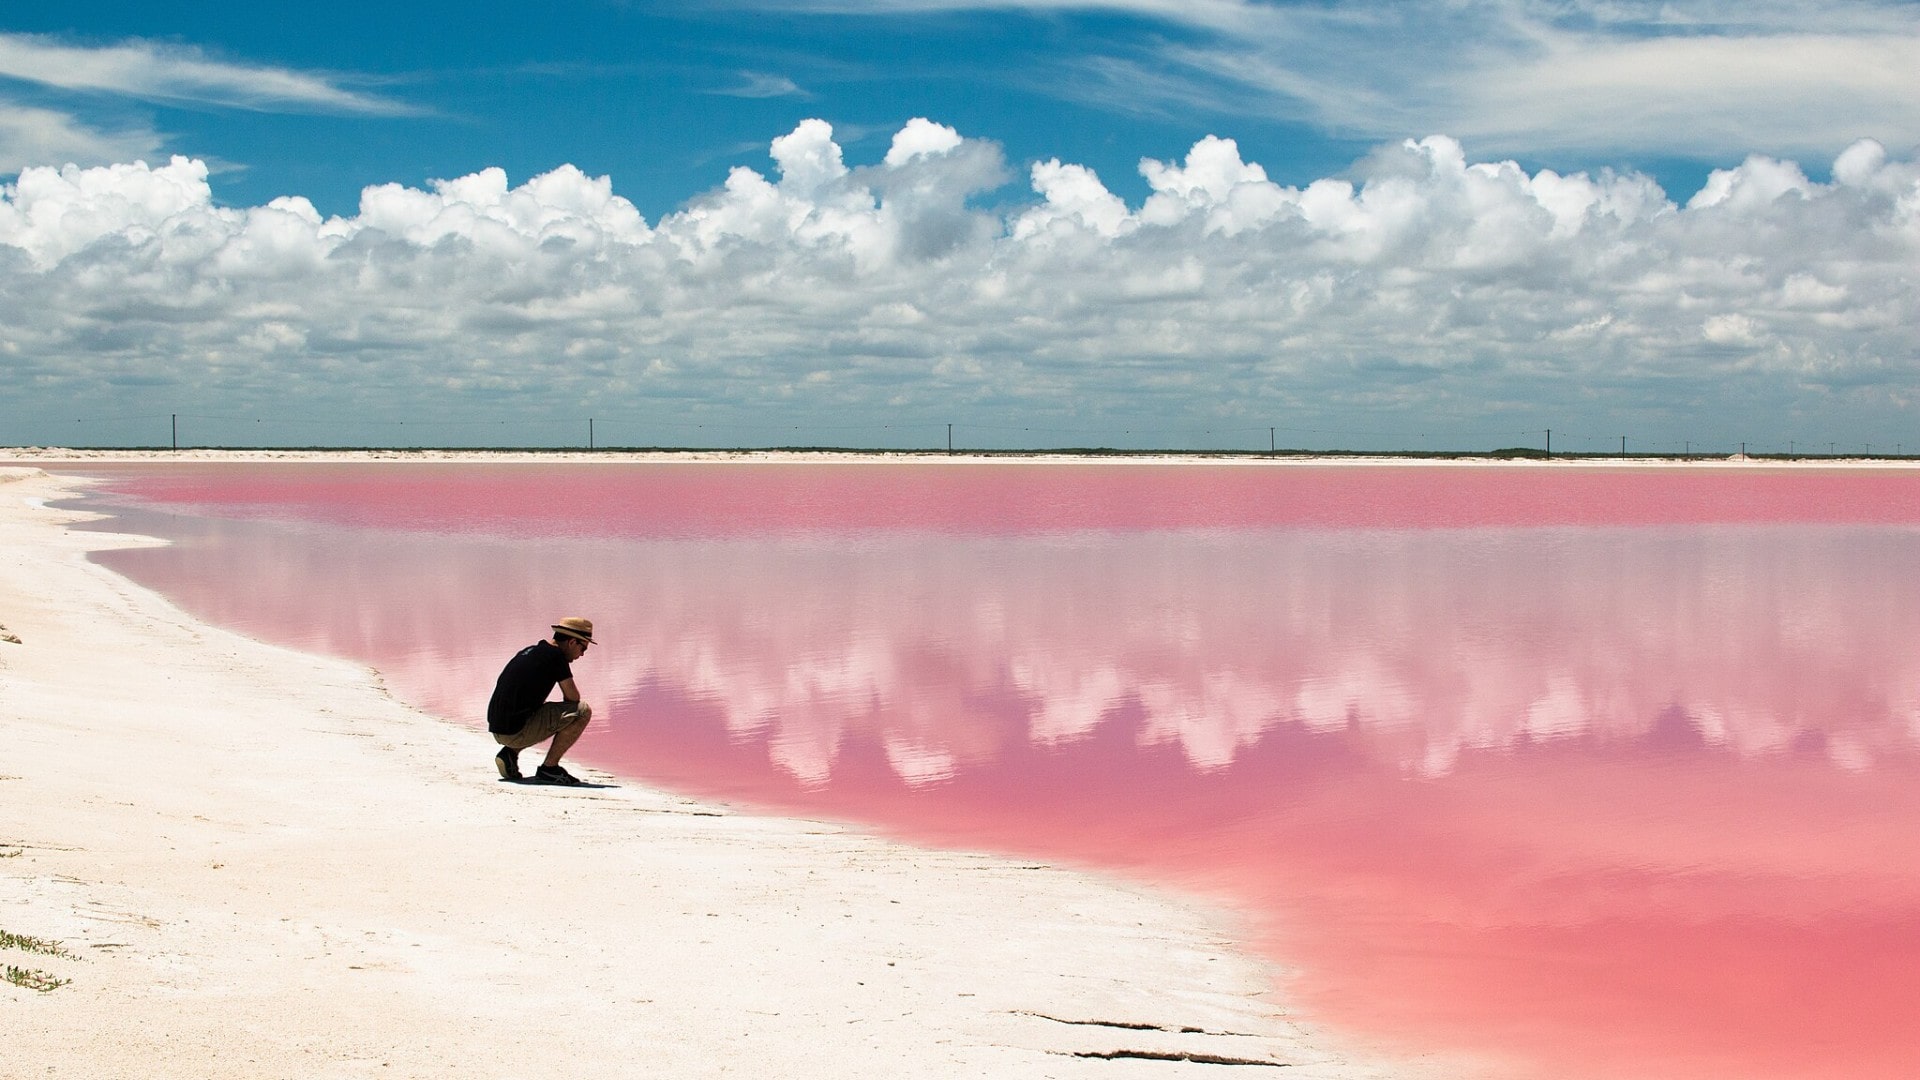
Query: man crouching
point(519, 714)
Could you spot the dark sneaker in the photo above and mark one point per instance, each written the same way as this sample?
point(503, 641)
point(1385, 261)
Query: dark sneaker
point(508, 761)
point(554, 774)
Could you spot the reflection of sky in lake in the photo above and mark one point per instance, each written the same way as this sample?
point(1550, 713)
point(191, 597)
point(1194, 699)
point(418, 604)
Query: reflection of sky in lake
point(1600, 800)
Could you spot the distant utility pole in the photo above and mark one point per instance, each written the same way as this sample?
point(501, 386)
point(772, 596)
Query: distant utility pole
point(589, 432)
point(176, 430)
point(949, 438)
point(1549, 442)
point(1623, 446)
point(1273, 446)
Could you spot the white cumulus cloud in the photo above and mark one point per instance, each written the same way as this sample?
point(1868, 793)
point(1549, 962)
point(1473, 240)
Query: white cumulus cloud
point(1424, 284)
point(921, 138)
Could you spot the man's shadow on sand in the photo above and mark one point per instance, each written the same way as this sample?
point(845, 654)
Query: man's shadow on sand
point(529, 781)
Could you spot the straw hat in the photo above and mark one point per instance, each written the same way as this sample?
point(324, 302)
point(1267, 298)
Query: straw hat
point(575, 627)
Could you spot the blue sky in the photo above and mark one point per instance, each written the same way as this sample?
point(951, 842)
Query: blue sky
point(1608, 218)
point(663, 97)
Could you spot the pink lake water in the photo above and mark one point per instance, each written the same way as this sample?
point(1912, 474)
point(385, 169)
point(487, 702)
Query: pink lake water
point(1584, 773)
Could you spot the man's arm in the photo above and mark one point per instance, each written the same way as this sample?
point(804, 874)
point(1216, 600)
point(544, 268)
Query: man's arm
point(568, 691)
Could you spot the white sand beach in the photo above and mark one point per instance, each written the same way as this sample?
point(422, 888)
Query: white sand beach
point(259, 864)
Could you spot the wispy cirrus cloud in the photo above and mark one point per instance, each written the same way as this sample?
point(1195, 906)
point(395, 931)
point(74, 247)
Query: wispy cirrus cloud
point(1693, 77)
point(1797, 93)
point(33, 136)
point(759, 84)
point(1194, 12)
point(152, 71)
point(1522, 77)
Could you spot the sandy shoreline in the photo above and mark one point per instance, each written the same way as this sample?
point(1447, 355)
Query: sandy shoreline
point(261, 865)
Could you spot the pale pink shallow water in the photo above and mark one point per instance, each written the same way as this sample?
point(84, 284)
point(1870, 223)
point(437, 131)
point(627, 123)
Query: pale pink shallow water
point(1597, 773)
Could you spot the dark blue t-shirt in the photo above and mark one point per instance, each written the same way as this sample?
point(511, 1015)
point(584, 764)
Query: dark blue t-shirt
point(524, 685)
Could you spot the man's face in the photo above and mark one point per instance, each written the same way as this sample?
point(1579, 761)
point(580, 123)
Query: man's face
point(575, 648)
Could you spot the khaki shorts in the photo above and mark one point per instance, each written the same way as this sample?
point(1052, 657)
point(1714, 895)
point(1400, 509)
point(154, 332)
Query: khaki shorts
point(546, 721)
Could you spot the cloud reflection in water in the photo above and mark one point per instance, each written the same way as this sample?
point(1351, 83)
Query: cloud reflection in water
point(1575, 798)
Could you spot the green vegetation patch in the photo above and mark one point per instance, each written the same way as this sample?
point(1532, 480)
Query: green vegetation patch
point(29, 943)
point(34, 979)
